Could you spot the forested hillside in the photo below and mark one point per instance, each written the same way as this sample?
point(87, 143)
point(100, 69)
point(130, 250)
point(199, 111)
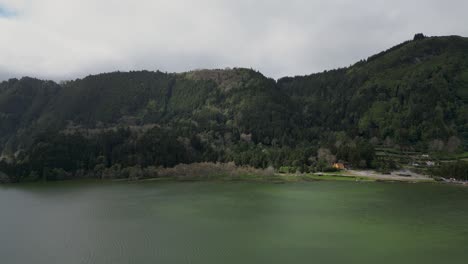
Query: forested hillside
point(411, 97)
point(412, 94)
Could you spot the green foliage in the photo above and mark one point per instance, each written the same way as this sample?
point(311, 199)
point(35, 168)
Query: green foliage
point(412, 93)
point(412, 96)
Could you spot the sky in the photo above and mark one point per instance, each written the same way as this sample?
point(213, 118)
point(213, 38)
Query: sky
point(68, 39)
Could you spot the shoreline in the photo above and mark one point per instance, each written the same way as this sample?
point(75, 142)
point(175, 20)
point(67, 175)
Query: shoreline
point(399, 175)
point(279, 178)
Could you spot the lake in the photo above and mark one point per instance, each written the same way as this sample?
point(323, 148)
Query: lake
point(207, 222)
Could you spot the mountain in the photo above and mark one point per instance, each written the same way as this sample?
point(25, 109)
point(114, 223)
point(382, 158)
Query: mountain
point(413, 96)
point(413, 93)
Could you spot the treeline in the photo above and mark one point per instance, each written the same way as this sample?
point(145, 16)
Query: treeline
point(58, 156)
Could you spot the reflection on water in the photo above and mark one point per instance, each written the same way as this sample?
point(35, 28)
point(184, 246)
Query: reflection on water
point(326, 222)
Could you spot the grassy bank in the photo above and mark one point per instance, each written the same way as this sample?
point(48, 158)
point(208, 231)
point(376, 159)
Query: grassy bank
point(282, 178)
point(229, 172)
point(232, 173)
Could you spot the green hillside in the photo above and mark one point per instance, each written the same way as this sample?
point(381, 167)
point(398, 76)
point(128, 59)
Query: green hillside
point(412, 98)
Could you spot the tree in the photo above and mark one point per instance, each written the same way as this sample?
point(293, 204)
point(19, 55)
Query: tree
point(419, 36)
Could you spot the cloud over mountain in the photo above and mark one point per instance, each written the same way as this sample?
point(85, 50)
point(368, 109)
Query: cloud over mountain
point(62, 39)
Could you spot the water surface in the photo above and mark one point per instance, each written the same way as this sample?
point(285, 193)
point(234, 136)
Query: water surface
point(322, 222)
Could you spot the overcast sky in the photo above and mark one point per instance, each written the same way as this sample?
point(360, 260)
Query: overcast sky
point(66, 39)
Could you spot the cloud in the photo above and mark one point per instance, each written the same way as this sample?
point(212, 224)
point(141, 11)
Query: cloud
point(63, 39)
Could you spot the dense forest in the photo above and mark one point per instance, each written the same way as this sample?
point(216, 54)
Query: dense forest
point(411, 97)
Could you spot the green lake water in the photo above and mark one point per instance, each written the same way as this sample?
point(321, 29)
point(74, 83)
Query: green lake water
point(319, 222)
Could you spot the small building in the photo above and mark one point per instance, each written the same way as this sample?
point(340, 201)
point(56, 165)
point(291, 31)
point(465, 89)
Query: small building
point(339, 166)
